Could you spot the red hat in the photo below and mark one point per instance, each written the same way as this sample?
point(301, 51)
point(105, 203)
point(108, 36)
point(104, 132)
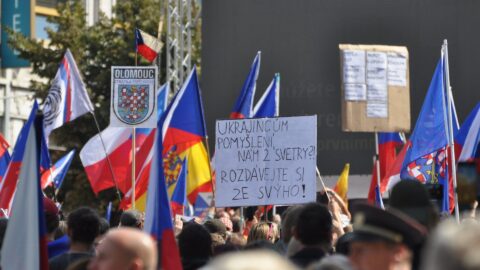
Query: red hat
point(49, 206)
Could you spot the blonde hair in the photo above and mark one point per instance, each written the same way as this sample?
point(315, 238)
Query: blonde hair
point(263, 231)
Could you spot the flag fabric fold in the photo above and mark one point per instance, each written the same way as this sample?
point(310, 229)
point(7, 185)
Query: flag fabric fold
point(67, 98)
point(426, 158)
point(25, 242)
point(269, 103)
point(467, 139)
point(57, 172)
point(4, 157)
point(9, 183)
point(118, 144)
point(243, 105)
point(147, 45)
point(179, 197)
point(341, 188)
point(158, 219)
point(183, 132)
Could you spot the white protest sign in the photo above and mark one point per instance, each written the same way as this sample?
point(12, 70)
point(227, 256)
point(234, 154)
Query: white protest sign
point(265, 161)
point(133, 98)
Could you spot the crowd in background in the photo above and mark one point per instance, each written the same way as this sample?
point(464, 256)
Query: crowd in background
point(409, 234)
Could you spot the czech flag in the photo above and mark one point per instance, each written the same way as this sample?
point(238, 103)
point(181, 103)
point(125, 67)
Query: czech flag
point(9, 183)
point(468, 138)
point(183, 132)
point(25, 242)
point(158, 220)
point(269, 103)
point(146, 45)
point(244, 103)
point(179, 196)
point(4, 157)
point(67, 98)
point(56, 174)
point(388, 142)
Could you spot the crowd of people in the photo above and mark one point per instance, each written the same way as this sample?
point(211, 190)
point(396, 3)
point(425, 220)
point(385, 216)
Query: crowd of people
point(409, 234)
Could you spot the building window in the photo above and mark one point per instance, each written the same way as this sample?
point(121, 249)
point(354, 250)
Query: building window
point(41, 24)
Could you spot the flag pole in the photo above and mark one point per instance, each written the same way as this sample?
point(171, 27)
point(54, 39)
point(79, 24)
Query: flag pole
point(450, 130)
point(377, 164)
point(321, 181)
point(106, 156)
point(134, 147)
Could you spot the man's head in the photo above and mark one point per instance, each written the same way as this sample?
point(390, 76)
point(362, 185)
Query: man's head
point(314, 226)
point(216, 226)
point(289, 219)
point(52, 218)
point(195, 245)
point(382, 239)
point(131, 218)
point(125, 248)
point(83, 225)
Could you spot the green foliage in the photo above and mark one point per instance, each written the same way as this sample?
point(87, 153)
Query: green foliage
point(109, 42)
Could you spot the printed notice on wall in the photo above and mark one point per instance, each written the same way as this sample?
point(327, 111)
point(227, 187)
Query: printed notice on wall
point(354, 92)
point(377, 92)
point(397, 69)
point(354, 67)
point(377, 109)
point(376, 68)
point(265, 161)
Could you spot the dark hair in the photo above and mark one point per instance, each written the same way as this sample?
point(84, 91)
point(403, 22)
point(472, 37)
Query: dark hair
point(195, 245)
point(52, 221)
point(260, 244)
point(131, 218)
point(236, 224)
point(3, 229)
point(104, 226)
point(83, 225)
point(314, 225)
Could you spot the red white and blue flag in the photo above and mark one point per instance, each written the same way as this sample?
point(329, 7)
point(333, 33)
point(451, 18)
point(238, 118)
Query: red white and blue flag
point(25, 242)
point(179, 197)
point(158, 219)
point(468, 138)
point(388, 143)
point(9, 183)
point(269, 103)
point(67, 98)
point(147, 45)
point(118, 144)
point(426, 156)
point(4, 157)
point(244, 103)
point(57, 172)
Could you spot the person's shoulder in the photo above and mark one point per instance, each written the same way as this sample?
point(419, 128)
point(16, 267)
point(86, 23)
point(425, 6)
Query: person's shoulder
point(58, 262)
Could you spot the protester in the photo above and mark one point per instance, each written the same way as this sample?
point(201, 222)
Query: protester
point(3, 229)
point(83, 227)
point(383, 240)
point(314, 231)
point(131, 218)
point(250, 260)
point(411, 198)
point(195, 245)
point(290, 218)
point(216, 226)
point(125, 248)
point(104, 227)
point(334, 262)
point(263, 231)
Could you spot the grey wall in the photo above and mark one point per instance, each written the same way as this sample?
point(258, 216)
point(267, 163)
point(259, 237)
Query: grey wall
point(299, 39)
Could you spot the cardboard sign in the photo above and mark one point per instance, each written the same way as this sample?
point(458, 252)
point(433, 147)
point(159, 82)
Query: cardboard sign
point(375, 88)
point(133, 97)
point(265, 161)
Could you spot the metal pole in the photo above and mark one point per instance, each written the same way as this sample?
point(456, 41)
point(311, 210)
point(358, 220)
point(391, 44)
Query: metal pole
point(6, 110)
point(450, 131)
point(377, 164)
point(106, 156)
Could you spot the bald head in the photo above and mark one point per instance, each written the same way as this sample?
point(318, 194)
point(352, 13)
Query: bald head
point(125, 248)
